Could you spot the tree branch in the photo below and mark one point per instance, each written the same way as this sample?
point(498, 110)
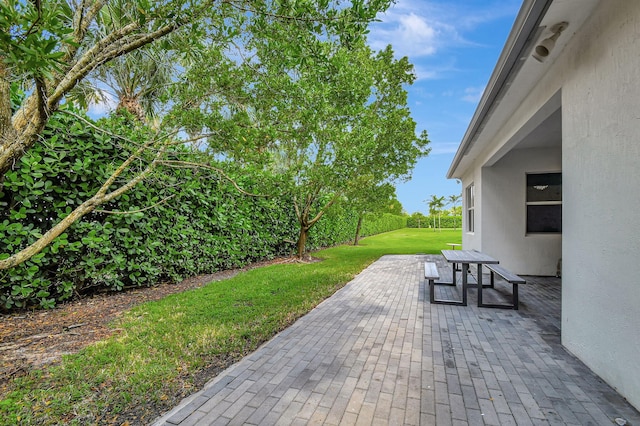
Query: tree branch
point(297, 208)
point(87, 62)
point(164, 200)
point(41, 91)
point(323, 210)
point(107, 132)
point(188, 164)
point(83, 209)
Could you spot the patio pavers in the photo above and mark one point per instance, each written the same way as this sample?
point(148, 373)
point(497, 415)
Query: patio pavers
point(377, 352)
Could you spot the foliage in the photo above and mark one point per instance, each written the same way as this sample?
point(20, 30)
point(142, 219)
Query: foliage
point(251, 74)
point(372, 197)
point(51, 48)
point(199, 223)
point(339, 224)
point(455, 209)
point(204, 224)
point(162, 346)
point(346, 124)
point(374, 223)
point(418, 220)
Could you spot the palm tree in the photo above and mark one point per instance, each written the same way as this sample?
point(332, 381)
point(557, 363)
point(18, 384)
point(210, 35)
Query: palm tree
point(432, 210)
point(136, 80)
point(435, 207)
point(439, 204)
point(454, 200)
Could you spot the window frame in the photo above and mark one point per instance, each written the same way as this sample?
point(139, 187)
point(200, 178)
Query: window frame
point(554, 199)
point(470, 196)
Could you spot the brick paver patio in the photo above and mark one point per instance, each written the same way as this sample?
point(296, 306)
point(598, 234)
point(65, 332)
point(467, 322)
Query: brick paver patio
point(377, 352)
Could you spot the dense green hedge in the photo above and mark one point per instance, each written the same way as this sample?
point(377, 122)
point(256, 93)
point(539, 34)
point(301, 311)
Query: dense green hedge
point(200, 222)
point(339, 226)
point(374, 223)
point(418, 220)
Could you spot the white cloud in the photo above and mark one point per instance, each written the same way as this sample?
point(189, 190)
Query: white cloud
point(107, 104)
point(421, 28)
point(444, 148)
point(473, 94)
point(410, 33)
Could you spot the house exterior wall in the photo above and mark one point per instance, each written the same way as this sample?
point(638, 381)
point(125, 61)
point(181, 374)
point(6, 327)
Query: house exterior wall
point(504, 213)
point(598, 77)
point(601, 180)
point(471, 240)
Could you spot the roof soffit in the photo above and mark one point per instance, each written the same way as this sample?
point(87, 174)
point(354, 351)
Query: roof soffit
point(517, 73)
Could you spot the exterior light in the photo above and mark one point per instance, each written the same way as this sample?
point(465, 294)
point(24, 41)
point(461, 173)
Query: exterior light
point(544, 48)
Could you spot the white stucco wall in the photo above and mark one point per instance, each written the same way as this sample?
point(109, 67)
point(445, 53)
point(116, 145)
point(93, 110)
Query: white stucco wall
point(504, 213)
point(471, 240)
point(598, 77)
point(601, 180)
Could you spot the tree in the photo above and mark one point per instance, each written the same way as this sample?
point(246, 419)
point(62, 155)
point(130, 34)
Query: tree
point(454, 200)
point(47, 51)
point(373, 198)
point(138, 80)
point(416, 220)
point(432, 209)
point(347, 119)
point(435, 208)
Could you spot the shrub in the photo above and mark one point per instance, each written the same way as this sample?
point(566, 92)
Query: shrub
point(199, 223)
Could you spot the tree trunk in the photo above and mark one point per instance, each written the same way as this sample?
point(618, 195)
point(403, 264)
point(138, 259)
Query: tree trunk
point(357, 237)
point(302, 240)
point(132, 105)
point(21, 135)
point(5, 102)
point(6, 129)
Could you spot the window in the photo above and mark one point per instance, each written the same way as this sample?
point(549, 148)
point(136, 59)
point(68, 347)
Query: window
point(470, 202)
point(544, 203)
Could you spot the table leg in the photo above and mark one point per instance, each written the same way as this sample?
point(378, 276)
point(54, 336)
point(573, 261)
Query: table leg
point(465, 269)
point(479, 279)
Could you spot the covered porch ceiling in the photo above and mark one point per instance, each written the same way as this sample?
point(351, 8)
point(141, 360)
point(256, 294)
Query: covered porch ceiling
point(542, 130)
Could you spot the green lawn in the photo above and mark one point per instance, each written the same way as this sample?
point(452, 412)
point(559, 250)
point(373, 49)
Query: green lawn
point(165, 350)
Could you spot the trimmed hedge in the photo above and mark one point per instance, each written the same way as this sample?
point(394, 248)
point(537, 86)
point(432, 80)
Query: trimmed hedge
point(200, 222)
point(421, 221)
point(374, 224)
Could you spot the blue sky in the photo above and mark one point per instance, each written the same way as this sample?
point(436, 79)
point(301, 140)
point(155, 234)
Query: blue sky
point(454, 46)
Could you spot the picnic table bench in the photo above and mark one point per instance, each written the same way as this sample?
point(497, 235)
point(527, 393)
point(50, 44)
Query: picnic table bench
point(509, 277)
point(431, 274)
point(466, 257)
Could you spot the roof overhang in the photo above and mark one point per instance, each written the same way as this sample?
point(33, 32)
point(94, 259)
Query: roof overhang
point(502, 96)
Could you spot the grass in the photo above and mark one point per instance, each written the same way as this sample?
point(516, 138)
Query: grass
point(165, 350)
